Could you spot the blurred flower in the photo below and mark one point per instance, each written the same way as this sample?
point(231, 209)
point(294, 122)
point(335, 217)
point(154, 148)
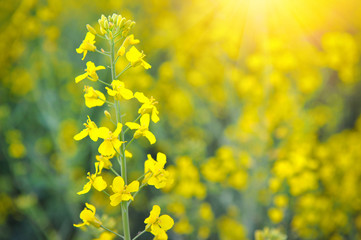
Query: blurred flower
point(155, 174)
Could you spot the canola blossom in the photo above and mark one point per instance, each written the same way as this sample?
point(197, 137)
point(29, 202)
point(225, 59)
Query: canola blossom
point(255, 105)
point(113, 146)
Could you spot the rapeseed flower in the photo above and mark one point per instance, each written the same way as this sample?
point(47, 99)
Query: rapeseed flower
point(93, 98)
point(96, 181)
point(136, 58)
point(87, 45)
point(90, 72)
point(121, 191)
point(91, 129)
point(104, 162)
point(88, 217)
point(127, 42)
point(148, 106)
point(155, 174)
point(158, 225)
point(111, 143)
point(142, 129)
point(119, 91)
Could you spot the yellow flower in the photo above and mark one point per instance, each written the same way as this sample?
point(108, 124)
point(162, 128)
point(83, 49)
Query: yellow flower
point(111, 143)
point(87, 45)
point(88, 217)
point(105, 236)
point(148, 106)
point(96, 181)
point(127, 42)
point(91, 129)
point(136, 58)
point(121, 191)
point(93, 97)
point(142, 129)
point(161, 236)
point(156, 224)
point(155, 173)
point(104, 162)
point(90, 72)
point(119, 91)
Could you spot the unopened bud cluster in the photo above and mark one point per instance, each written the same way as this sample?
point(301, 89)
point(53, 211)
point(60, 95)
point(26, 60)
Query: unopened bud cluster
point(112, 26)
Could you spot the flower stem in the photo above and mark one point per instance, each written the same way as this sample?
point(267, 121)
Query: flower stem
point(139, 234)
point(121, 160)
point(112, 231)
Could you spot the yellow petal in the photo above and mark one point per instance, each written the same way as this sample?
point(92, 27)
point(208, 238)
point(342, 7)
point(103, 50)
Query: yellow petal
point(115, 199)
point(118, 130)
point(103, 132)
point(133, 187)
point(81, 135)
point(132, 125)
point(99, 184)
point(141, 97)
point(126, 93)
point(161, 158)
point(86, 188)
point(93, 134)
point(133, 55)
point(106, 148)
point(155, 117)
point(118, 184)
point(165, 222)
point(81, 77)
point(127, 197)
point(150, 136)
point(144, 120)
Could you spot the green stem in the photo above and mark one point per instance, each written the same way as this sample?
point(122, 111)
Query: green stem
point(103, 53)
point(112, 231)
point(140, 188)
point(106, 193)
point(115, 172)
point(121, 160)
point(139, 234)
point(129, 143)
point(125, 69)
point(104, 83)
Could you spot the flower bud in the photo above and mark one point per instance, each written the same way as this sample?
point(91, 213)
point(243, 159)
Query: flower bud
point(107, 114)
point(91, 29)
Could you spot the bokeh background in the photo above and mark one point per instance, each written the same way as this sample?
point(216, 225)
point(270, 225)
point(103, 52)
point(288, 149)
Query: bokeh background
point(259, 100)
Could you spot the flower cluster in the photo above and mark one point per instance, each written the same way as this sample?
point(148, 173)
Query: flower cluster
point(115, 29)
